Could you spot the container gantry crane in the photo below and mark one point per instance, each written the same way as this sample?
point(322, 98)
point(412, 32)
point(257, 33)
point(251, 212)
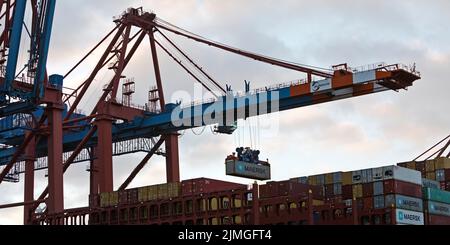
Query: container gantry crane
point(41, 127)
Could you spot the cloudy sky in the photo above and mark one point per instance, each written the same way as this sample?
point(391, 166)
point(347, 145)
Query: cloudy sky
point(368, 131)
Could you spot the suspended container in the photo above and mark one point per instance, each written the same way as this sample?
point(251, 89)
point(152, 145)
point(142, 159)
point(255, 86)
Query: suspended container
point(248, 170)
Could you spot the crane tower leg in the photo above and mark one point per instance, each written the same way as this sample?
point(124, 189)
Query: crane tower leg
point(29, 182)
point(55, 202)
point(172, 159)
point(104, 154)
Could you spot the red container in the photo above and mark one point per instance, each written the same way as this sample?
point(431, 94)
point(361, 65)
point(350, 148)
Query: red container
point(133, 196)
point(186, 188)
point(421, 167)
point(367, 203)
point(447, 175)
point(204, 185)
point(123, 197)
point(368, 190)
point(264, 191)
point(329, 191)
point(437, 220)
point(283, 187)
point(403, 188)
point(347, 192)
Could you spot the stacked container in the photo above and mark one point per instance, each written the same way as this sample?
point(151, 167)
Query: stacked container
point(436, 169)
point(437, 206)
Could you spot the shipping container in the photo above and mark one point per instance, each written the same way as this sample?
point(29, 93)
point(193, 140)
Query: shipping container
point(421, 166)
point(114, 198)
point(404, 202)
point(429, 165)
point(431, 175)
point(174, 189)
point(402, 174)
point(337, 177)
point(368, 203)
point(377, 174)
point(430, 184)
point(302, 180)
point(163, 191)
point(347, 178)
point(438, 208)
point(247, 170)
point(403, 188)
point(366, 176)
point(347, 192)
point(104, 199)
point(357, 191)
point(348, 202)
point(440, 175)
point(411, 165)
point(356, 177)
point(408, 217)
point(142, 194)
point(337, 189)
point(367, 189)
point(378, 202)
point(378, 188)
point(133, 196)
point(329, 190)
point(328, 178)
point(437, 220)
point(318, 202)
point(205, 185)
point(442, 163)
point(123, 197)
point(436, 195)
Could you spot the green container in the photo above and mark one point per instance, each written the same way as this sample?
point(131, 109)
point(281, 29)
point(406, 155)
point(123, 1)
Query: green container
point(436, 195)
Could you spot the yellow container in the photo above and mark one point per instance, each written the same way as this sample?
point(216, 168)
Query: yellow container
point(429, 166)
point(328, 178)
point(431, 175)
point(143, 194)
point(237, 203)
point(213, 204)
point(152, 192)
point(203, 205)
point(237, 219)
point(104, 199)
point(312, 180)
point(411, 165)
point(442, 163)
point(163, 191)
point(357, 191)
point(214, 221)
point(113, 198)
point(346, 178)
point(317, 202)
point(174, 189)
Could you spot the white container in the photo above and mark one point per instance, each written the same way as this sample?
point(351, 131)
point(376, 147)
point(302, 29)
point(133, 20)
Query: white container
point(377, 174)
point(402, 174)
point(408, 217)
point(356, 177)
point(366, 175)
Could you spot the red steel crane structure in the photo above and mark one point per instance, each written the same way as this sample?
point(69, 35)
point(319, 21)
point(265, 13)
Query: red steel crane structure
point(52, 134)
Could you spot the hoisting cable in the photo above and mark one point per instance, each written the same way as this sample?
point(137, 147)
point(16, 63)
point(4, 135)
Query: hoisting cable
point(191, 61)
point(262, 58)
point(184, 67)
